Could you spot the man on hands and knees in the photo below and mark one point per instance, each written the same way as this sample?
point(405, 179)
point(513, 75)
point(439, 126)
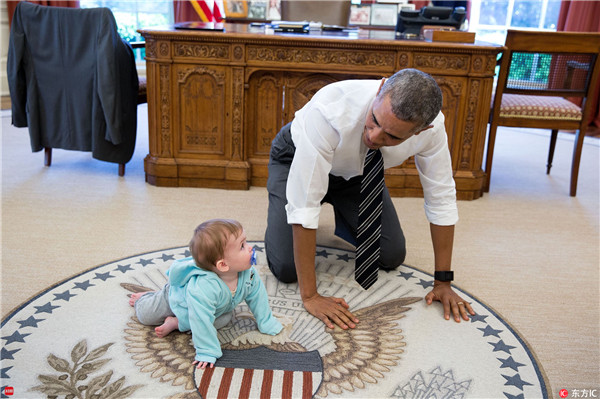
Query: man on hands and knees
point(334, 151)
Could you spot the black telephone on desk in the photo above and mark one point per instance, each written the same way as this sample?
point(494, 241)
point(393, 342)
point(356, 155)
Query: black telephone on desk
point(410, 22)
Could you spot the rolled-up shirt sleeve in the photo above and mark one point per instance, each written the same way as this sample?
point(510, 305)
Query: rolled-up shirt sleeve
point(435, 172)
point(308, 179)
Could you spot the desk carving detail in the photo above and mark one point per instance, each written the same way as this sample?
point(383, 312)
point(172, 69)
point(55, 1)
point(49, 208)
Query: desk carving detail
point(322, 57)
point(184, 74)
point(474, 94)
point(238, 103)
point(202, 51)
point(441, 62)
point(165, 106)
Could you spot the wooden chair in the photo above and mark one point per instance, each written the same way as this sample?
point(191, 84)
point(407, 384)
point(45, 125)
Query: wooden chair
point(538, 72)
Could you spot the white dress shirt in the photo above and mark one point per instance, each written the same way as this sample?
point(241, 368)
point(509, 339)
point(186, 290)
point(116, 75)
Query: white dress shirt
point(327, 133)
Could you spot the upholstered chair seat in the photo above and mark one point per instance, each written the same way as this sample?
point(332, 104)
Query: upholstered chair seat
point(534, 107)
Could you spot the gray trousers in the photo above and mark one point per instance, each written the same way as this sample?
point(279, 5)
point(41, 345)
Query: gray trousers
point(343, 194)
point(153, 308)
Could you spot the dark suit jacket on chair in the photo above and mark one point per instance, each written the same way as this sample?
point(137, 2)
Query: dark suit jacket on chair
point(73, 81)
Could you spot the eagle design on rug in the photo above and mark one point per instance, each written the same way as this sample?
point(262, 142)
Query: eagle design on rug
point(351, 359)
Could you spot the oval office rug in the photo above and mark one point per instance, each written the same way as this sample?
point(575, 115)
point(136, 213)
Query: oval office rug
point(80, 338)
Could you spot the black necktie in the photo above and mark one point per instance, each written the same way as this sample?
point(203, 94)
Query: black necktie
point(369, 220)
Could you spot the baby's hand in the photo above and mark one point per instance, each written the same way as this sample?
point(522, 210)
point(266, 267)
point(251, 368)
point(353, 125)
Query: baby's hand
point(202, 365)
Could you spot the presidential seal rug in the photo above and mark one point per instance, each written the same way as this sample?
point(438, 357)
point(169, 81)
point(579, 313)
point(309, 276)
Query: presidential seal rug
point(81, 339)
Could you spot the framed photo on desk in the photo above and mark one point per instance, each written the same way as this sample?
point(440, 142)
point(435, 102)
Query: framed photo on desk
point(384, 14)
point(257, 10)
point(236, 8)
point(360, 14)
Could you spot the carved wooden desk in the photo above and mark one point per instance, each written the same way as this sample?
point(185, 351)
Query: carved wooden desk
point(217, 99)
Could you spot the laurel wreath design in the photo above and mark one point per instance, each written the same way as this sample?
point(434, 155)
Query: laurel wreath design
point(73, 380)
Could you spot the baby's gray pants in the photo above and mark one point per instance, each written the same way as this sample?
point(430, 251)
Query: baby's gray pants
point(153, 308)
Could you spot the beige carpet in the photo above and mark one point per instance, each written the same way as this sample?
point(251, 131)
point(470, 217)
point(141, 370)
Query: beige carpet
point(526, 249)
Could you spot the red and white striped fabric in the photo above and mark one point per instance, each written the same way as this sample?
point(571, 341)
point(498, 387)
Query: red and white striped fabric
point(209, 10)
point(224, 382)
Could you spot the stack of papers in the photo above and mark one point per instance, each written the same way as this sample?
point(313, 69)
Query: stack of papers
point(291, 26)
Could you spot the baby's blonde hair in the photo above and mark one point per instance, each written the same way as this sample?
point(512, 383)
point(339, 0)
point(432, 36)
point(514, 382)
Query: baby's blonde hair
point(210, 238)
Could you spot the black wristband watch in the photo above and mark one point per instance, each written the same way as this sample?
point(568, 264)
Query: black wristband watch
point(444, 276)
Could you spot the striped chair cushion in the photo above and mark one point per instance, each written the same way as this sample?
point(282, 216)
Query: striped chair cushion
point(534, 107)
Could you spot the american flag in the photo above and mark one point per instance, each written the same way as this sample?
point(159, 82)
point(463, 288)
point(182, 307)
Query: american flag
point(194, 10)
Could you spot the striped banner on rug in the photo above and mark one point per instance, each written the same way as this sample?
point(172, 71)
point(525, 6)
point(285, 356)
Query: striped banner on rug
point(227, 382)
point(261, 373)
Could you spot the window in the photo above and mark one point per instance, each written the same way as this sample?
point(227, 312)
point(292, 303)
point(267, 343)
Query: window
point(492, 18)
point(135, 14)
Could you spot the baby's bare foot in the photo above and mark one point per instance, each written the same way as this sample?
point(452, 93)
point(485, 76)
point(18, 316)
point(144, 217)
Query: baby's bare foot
point(171, 323)
point(135, 296)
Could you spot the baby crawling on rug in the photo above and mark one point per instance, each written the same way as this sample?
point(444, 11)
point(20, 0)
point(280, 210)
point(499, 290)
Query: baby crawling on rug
point(204, 289)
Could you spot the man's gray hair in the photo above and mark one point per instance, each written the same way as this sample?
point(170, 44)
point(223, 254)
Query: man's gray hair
point(414, 95)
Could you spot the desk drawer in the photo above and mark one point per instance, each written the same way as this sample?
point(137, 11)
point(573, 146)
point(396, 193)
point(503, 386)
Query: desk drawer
point(201, 51)
point(326, 59)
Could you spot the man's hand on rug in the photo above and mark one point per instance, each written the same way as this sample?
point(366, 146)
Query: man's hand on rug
point(202, 365)
point(330, 310)
point(451, 301)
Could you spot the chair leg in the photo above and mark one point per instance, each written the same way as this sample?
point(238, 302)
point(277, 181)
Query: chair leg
point(551, 150)
point(47, 156)
point(489, 156)
point(48, 161)
point(577, 148)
